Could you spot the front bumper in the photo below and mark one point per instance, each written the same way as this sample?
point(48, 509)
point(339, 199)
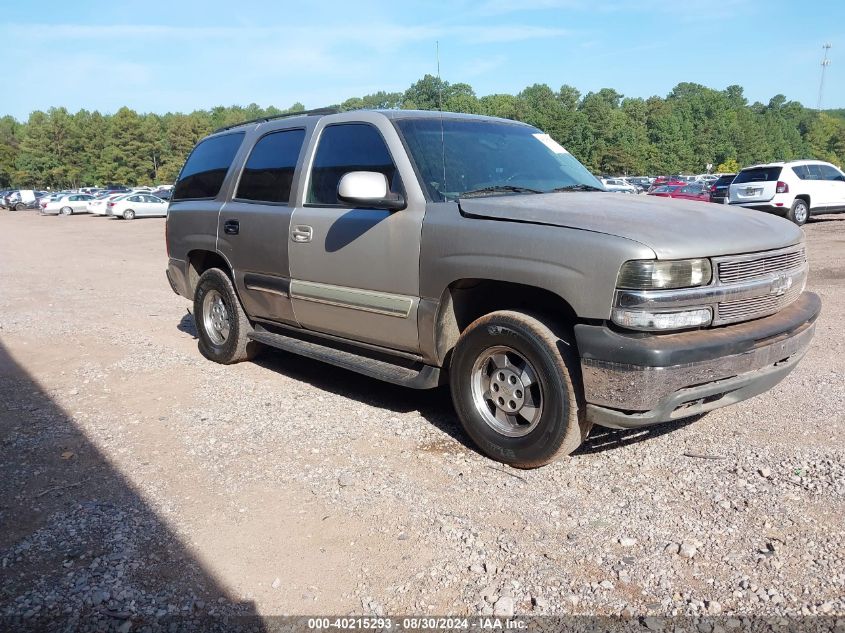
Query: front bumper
point(632, 380)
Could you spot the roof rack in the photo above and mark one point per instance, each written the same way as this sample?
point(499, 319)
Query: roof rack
point(314, 112)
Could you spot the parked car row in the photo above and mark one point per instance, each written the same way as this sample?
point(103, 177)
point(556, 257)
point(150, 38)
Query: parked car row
point(793, 189)
point(20, 199)
point(120, 205)
point(647, 184)
point(112, 200)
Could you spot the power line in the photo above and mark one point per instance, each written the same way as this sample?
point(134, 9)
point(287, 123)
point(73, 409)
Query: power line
point(825, 63)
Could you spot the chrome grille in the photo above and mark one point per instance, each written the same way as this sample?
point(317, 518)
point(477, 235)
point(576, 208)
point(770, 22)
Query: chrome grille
point(744, 269)
point(754, 307)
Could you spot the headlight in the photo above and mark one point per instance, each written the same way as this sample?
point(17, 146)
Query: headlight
point(645, 320)
point(660, 275)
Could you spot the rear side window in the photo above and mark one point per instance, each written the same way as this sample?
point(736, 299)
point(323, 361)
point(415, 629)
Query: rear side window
point(344, 148)
point(268, 173)
point(808, 172)
point(204, 172)
point(758, 174)
point(802, 172)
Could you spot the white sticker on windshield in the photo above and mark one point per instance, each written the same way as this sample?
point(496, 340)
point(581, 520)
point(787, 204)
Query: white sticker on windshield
point(549, 142)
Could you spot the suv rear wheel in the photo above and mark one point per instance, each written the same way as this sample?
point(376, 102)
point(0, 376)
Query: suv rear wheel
point(222, 325)
point(513, 389)
point(800, 212)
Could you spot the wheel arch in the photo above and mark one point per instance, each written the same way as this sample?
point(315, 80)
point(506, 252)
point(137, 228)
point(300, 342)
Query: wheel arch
point(465, 300)
point(200, 260)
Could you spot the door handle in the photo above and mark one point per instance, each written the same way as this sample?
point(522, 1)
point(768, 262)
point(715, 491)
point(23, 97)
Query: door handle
point(301, 233)
point(231, 227)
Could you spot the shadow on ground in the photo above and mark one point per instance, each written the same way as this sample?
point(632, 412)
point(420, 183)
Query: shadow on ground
point(603, 439)
point(80, 548)
point(433, 405)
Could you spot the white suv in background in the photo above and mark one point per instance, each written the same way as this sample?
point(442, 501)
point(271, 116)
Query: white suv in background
point(794, 189)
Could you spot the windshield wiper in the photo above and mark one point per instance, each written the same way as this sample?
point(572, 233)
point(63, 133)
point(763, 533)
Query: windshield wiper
point(578, 187)
point(498, 189)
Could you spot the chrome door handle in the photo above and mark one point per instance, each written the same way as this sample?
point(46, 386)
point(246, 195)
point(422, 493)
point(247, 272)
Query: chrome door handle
point(301, 233)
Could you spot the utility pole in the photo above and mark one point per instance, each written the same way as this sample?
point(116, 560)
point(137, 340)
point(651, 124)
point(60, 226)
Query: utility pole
point(825, 63)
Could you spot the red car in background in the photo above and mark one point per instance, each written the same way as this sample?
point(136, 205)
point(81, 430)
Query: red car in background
point(693, 191)
point(663, 181)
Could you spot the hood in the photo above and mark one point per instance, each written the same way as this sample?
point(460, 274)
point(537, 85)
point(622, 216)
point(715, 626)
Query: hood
point(673, 229)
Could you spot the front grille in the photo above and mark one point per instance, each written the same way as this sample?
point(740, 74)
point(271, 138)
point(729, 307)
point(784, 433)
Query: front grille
point(747, 269)
point(754, 307)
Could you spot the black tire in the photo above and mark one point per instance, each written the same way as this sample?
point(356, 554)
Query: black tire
point(66, 211)
point(561, 427)
point(129, 214)
point(20, 206)
point(237, 346)
point(800, 212)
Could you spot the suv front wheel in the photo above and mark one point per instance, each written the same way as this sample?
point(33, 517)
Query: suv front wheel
point(513, 385)
point(222, 325)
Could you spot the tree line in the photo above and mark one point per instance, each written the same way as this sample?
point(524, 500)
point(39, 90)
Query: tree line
point(691, 127)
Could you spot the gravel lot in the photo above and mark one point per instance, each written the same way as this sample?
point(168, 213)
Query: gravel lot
point(140, 482)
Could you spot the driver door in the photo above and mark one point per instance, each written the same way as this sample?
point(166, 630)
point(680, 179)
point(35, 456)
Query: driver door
point(355, 271)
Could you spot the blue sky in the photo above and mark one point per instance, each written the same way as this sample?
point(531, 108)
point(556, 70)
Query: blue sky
point(159, 56)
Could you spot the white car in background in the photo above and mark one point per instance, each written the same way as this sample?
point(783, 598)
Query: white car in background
point(67, 204)
point(796, 189)
point(619, 185)
point(97, 206)
point(137, 205)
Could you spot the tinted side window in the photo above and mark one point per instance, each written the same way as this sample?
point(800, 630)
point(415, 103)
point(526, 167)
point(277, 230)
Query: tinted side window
point(815, 172)
point(203, 173)
point(801, 172)
point(268, 173)
point(830, 173)
point(345, 148)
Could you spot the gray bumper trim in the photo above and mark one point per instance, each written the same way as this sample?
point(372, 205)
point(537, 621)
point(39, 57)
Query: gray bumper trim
point(697, 400)
point(642, 388)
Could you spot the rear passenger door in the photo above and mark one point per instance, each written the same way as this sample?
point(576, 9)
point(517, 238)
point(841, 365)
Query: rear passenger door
point(79, 202)
point(144, 207)
point(253, 226)
point(816, 187)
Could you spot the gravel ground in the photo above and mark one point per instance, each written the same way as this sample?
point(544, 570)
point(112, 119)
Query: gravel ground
point(143, 486)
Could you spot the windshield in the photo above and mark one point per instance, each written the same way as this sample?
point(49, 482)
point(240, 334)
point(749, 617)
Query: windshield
point(457, 156)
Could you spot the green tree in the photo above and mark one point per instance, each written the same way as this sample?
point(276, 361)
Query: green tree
point(9, 148)
point(730, 166)
point(692, 126)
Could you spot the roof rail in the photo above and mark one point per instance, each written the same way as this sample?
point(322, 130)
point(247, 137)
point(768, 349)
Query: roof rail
point(314, 112)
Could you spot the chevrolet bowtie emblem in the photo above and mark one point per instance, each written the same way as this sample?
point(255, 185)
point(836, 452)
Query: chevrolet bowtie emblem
point(780, 285)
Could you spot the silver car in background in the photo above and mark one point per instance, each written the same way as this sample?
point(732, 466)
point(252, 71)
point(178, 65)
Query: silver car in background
point(67, 204)
point(137, 205)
